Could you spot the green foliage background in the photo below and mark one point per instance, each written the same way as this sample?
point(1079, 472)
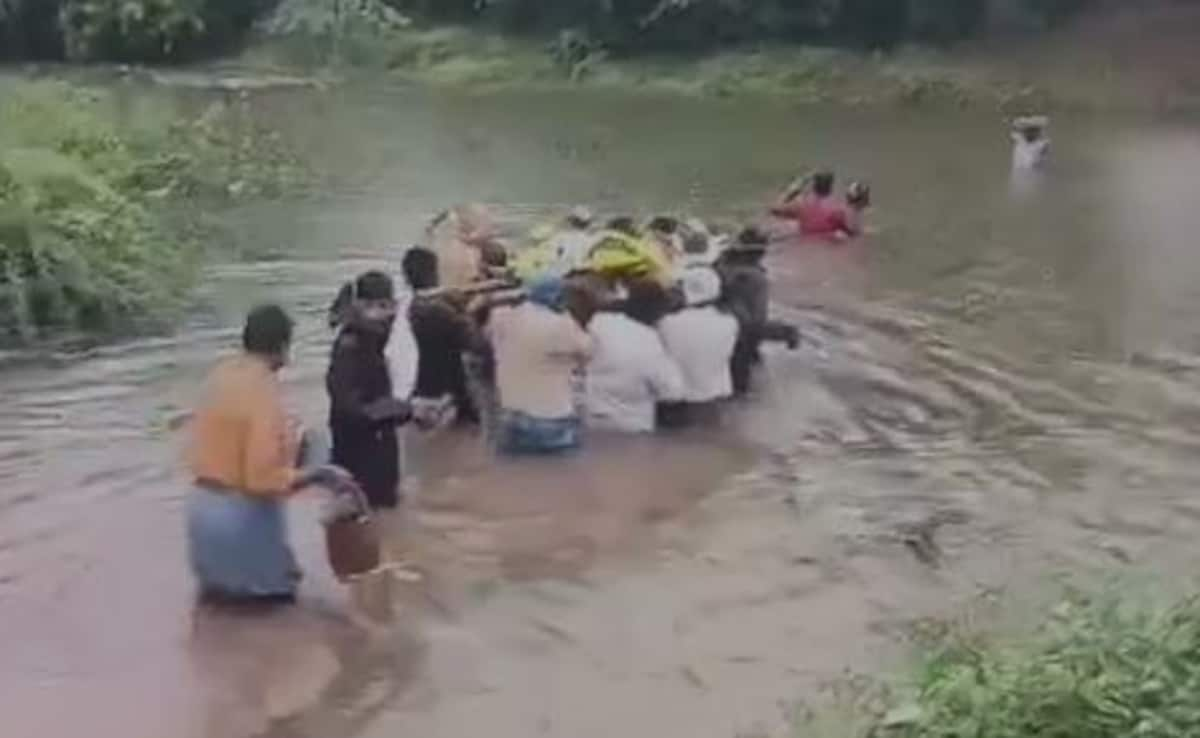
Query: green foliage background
point(99, 224)
point(1109, 666)
point(179, 30)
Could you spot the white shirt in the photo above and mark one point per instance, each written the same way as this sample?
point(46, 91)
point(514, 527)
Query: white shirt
point(401, 351)
point(701, 341)
point(1029, 155)
point(571, 248)
point(630, 372)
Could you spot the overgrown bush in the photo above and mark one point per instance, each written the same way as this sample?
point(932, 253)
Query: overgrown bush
point(96, 221)
point(169, 30)
point(123, 30)
point(1109, 668)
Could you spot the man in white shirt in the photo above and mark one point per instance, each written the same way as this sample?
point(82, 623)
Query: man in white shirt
point(700, 338)
point(1031, 147)
point(631, 372)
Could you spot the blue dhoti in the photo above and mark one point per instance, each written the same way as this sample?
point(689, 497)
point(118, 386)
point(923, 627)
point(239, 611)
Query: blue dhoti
point(238, 545)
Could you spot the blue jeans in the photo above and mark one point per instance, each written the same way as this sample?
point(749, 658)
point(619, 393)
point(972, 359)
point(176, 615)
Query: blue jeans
point(524, 435)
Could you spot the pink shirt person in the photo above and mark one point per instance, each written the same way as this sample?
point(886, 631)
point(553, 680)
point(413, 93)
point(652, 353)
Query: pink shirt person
point(816, 212)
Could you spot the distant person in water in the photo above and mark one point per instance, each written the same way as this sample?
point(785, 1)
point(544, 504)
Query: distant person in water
point(538, 345)
point(442, 331)
point(815, 210)
point(1031, 147)
point(364, 414)
point(243, 458)
point(858, 201)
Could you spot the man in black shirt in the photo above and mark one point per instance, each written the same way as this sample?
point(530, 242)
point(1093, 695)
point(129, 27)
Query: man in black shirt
point(443, 332)
point(363, 414)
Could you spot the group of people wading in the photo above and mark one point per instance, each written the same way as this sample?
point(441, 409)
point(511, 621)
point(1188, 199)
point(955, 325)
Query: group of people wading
point(610, 327)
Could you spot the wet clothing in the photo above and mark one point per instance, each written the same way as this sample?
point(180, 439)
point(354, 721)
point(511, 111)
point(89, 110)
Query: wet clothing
point(701, 341)
point(442, 333)
point(241, 437)
point(1029, 155)
point(746, 290)
point(401, 351)
point(536, 351)
point(237, 545)
point(629, 374)
point(364, 415)
point(817, 216)
point(241, 458)
point(523, 435)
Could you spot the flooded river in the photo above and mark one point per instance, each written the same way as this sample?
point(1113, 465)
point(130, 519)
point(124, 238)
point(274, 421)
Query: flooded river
point(998, 385)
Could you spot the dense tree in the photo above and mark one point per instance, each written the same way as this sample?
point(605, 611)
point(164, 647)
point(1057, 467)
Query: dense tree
point(168, 30)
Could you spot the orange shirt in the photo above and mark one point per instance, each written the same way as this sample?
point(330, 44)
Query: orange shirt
point(241, 436)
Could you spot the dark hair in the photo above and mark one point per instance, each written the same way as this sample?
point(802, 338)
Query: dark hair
point(268, 330)
point(752, 236)
point(421, 268)
point(374, 285)
point(664, 224)
point(823, 183)
point(623, 224)
point(493, 254)
point(648, 301)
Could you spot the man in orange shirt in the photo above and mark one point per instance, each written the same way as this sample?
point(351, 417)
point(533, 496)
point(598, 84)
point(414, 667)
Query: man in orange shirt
point(243, 458)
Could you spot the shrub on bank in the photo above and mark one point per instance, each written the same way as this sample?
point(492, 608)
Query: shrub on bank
point(1109, 668)
point(98, 228)
point(177, 30)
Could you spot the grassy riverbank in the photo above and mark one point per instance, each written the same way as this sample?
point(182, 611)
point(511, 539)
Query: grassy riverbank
point(103, 204)
point(1112, 666)
point(1085, 66)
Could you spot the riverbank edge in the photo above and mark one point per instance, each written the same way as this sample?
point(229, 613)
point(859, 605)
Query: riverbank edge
point(1105, 657)
point(1012, 78)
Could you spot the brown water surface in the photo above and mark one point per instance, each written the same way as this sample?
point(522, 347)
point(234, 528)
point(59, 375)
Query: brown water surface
point(999, 383)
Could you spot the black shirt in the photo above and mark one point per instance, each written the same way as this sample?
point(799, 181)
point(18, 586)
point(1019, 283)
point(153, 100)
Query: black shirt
point(363, 415)
point(442, 334)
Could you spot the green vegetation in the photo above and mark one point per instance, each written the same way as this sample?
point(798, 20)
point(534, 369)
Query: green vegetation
point(175, 30)
point(123, 30)
point(1105, 668)
point(99, 224)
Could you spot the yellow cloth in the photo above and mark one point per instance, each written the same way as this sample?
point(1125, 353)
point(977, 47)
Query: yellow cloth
point(620, 255)
point(241, 436)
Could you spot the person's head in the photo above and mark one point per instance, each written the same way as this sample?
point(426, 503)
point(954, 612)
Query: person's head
point(493, 255)
point(474, 222)
point(663, 224)
point(1031, 133)
point(580, 300)
point(580, 218)
point(374, 306)
point(822, 183)
point(623, 224)
point(749, 247)
point(420, 268)
point(858, 195)
point(268, 334)
point(647, 302)
point(701, 286)
point(696, 237)
point(547, 292)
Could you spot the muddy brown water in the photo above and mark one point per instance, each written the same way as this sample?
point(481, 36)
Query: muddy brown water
point(998, 384)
